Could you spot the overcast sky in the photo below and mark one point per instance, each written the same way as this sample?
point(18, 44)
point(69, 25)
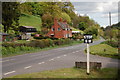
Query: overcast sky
point(98, 11)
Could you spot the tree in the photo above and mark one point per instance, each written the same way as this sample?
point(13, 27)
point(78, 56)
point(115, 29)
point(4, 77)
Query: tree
point(47, 20)
point(66, 17)
point(10, 15)
point(92, 30)
point(82, 26)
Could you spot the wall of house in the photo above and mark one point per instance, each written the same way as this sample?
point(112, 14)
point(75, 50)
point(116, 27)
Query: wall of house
point(59, 34)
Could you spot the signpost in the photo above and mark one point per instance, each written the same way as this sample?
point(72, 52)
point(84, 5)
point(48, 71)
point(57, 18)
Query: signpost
point(88, 39)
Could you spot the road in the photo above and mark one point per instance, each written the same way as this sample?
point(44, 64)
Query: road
point(51, 59)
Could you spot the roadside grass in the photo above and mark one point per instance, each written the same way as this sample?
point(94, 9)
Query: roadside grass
point(104, 50)
point(72, 73)
point(28, 50)
point(30, 20)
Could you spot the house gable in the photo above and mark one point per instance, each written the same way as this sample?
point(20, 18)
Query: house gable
point(60, 30)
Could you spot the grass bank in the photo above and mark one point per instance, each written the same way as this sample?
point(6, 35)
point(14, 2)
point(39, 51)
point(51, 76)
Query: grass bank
point(104, 50)
point(30, 20)
point(72, 73)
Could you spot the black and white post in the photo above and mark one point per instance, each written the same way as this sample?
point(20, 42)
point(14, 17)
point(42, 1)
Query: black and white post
point(88, 39)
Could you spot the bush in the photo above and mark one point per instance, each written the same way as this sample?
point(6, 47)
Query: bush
point(14, 48)
point(11, 44)
point(111, 43)
point(11, 50)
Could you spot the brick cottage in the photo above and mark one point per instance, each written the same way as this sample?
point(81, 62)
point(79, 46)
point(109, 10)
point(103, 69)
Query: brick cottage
point(60, 30)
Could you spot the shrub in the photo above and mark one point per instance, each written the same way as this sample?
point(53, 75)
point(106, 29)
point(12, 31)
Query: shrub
point(13, 44)
point(111, 43)
point(11, 50)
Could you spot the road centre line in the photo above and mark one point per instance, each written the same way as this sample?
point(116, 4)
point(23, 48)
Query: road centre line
point(41, 63)
point(77, 51)
point(58, 57)
point(51, 59)
point(73, 52)
point(27, 67)
point(64, 55)
point(9, 72)
point(7, 60)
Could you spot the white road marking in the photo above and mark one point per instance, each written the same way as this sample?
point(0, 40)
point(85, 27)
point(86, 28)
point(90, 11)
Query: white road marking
point(9, 72)
point(64, 55)
point(77, 51)
point(7, 60)
point(27, 67)
point(58, 57)
point(51, 59)
point(73, 52)
point(41, 63)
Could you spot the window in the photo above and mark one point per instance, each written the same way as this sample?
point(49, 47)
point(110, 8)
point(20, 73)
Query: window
point(66, 29)
point(53, 29)
point(58, 29)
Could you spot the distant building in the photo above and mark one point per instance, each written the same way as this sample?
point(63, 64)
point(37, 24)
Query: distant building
point(60, 29)
point(26, 32)
point(4, 36)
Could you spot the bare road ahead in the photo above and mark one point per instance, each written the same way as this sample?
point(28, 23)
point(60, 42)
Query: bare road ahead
point(51, 59)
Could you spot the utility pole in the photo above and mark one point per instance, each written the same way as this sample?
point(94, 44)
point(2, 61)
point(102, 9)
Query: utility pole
point(110, 18)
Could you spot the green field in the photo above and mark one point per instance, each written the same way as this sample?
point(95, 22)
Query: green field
point(72, 73)
point(104, 50)
point(30, 20)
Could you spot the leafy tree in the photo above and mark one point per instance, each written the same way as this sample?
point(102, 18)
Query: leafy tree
point(82, 26)
point(66, 17)
point(26, 8)
point(10, 15)
point(47, 20)
point(92, 30)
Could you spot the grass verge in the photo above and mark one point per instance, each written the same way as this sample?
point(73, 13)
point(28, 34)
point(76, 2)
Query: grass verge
point(72, 73)
point(104, 50)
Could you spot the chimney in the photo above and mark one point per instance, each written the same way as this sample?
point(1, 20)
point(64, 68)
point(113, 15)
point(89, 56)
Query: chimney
point(55, 21)
point(60, 19)
point(65, 21)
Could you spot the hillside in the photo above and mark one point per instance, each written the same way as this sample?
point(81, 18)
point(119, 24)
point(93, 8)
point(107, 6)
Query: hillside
point(30, 20)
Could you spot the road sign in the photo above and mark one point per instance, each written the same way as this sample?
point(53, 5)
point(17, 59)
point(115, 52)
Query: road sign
point(88, 38)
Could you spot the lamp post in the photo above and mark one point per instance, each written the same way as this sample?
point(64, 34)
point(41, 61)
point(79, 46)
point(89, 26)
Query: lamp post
point(88, 39)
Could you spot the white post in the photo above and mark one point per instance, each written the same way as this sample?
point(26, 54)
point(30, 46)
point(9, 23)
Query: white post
point(88, 65)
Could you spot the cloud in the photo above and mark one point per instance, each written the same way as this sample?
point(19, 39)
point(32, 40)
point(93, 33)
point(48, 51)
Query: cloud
point(113, 15)
point(103, 7)
point(98, 10)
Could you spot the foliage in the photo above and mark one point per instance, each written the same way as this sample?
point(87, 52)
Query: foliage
point(47, 20)
point(82, 26)
point(92, 30)
point(77, 36)
point(111, 34)
point(11, 50)
point(111, 43)
point(10, 16)
point(66, 17)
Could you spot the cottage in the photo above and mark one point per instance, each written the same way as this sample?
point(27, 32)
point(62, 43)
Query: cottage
point(26, 32)
point(60, 30)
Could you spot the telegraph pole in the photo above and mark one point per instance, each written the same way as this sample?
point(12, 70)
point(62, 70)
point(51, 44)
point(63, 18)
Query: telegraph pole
point(110, 18)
